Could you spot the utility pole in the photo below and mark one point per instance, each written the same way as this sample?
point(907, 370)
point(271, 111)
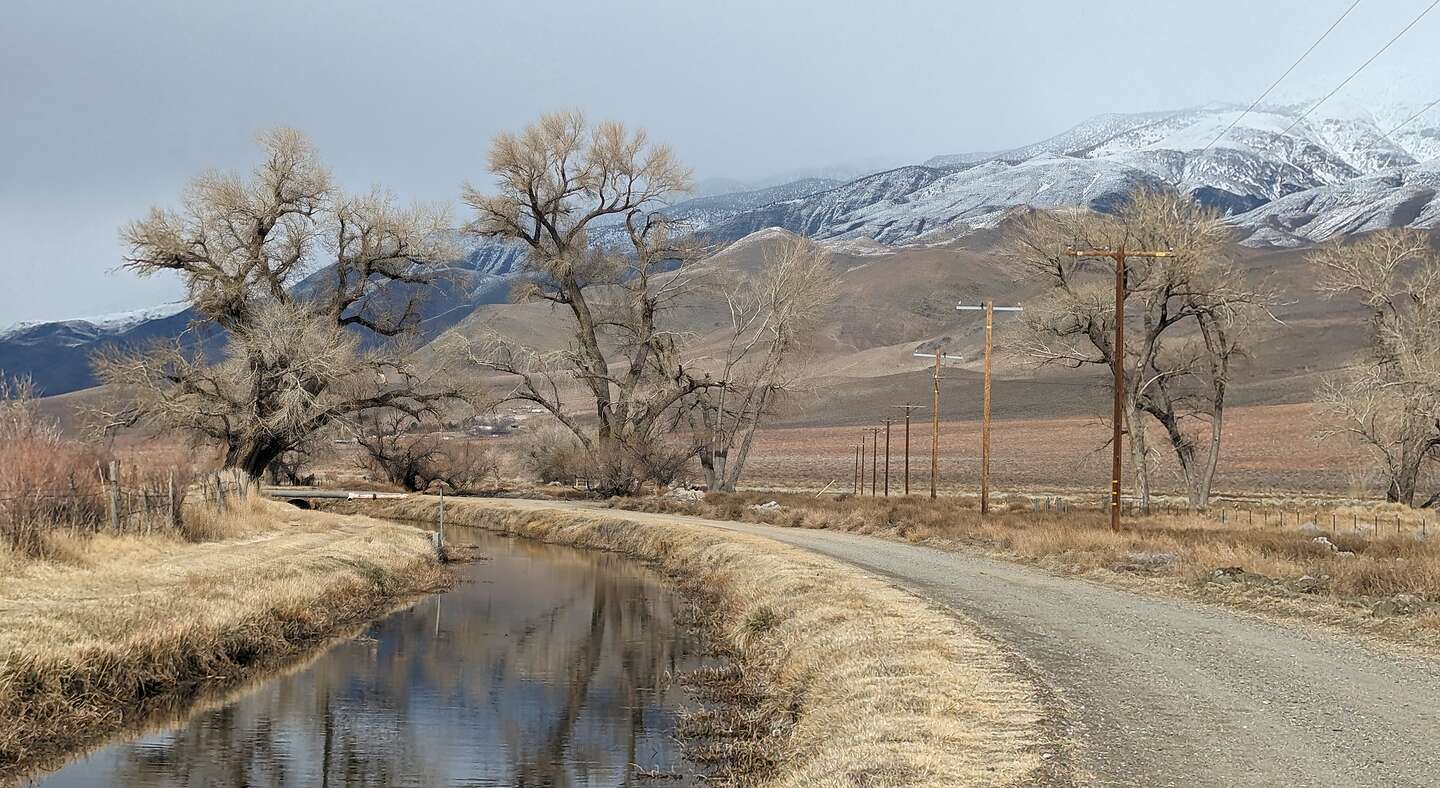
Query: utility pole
point(908, 407)
point(855, 472)
point(861, 463)
point(888, 421)
point(874, 456)
point(990, 309)
point(1117, 362)
point(935, 416)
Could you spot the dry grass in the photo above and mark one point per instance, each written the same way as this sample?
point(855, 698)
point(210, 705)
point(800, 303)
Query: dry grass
point(111, 626)
point(1181, 547)
point(878, 688)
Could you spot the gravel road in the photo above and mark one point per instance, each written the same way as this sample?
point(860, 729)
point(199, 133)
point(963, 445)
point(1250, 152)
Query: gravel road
point(1160, 692)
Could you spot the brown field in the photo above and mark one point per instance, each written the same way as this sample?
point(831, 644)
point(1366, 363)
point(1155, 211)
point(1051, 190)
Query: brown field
point(1268, 450)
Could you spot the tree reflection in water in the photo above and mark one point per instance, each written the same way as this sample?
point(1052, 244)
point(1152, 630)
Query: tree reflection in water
point(550, 667)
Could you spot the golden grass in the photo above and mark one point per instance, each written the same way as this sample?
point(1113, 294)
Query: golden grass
point(112, 626)
point(1186, 547)
point(880, 688)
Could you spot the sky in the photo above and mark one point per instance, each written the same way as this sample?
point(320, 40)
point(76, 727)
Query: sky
point(110, 108)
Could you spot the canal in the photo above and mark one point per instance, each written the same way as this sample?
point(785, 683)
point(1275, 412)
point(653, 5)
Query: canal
point(544, 666)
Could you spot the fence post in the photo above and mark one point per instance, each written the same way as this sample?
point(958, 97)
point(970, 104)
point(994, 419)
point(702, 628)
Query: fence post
point(219, 493)
point(114, 489)
point(173, 506)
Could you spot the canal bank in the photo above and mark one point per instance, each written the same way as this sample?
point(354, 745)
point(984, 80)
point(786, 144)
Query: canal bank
point(111, 628)
point(859, 682)
point(543, 665)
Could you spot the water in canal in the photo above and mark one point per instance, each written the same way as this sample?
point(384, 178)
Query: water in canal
point(551, 666)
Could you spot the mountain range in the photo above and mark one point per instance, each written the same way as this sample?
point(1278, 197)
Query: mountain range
point(1282, 177)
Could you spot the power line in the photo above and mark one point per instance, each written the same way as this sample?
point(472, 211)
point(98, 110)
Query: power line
point(1273, 85)
point(1406, 121)
point(1357, 71)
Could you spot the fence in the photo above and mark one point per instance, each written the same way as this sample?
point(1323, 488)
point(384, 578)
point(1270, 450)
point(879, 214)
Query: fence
point(1340, 520)
point(140, 501)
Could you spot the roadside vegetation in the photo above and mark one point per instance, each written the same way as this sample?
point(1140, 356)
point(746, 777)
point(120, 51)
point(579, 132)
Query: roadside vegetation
point(847, 680)
point(1391, 582)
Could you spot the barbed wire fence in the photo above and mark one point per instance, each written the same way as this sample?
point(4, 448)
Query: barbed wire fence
point(1344, 520)
point(117, 499)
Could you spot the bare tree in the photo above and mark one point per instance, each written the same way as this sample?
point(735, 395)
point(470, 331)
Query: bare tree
point(400, 449)
point(558, 180)
point(771, 314)
point(293, 364)
point(1390, 401)
point(1193, 311)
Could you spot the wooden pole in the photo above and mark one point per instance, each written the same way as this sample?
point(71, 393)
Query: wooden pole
point(174, 508)
point(861, 463)
point(935, 429)
point(1117, 363)
point(985, 413)
point(874, 458)
point(907, 451)
point(888, 420)
point(874, 433)
point(1118, 370)
point(908, 408)
point(219, 493)
point(114, 488)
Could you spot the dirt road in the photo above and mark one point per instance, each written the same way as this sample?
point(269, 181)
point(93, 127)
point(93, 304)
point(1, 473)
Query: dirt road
point(1160, 692)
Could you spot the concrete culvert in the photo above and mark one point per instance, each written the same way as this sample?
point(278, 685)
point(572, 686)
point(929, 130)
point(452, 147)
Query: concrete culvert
point(300, 503)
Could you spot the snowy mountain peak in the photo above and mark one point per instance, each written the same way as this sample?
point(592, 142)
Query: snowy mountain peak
point(98, 325)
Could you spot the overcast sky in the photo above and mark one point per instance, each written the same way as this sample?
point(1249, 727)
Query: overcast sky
point(109, 107)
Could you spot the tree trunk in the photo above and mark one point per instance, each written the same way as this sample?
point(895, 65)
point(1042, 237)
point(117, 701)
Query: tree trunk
point(1212, 460)
point(253, 459)
point(1404, 481)
point(1139, 457)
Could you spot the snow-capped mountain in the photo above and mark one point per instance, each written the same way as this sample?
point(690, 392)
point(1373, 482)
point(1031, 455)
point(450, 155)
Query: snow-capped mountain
point(1345, 164)
point(1397, 197)
point(902, 205)
point(79, 330)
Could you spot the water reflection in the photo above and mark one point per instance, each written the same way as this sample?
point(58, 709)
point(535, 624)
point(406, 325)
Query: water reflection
point(551, 667)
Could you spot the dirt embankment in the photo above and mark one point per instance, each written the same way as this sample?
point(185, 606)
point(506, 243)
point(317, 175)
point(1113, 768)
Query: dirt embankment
point(113, 628)
point(861, 683)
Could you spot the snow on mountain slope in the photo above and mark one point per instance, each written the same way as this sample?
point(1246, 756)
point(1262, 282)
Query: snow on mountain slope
point(1269, 153)
point(1339, 164)
point(1400, 197)
point(901, 205)
point(75, 331)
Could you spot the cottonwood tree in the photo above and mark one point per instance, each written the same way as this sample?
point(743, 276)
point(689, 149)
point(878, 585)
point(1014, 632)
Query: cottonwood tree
point(406, 453)
point(559, 180)
point(1390, 401)
point(293, 364)
point(1192, 313)
point(772, 313)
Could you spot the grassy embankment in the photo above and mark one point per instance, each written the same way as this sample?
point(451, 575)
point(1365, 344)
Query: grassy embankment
point(850, 680)
point(104, 628)
point(1355, 583)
